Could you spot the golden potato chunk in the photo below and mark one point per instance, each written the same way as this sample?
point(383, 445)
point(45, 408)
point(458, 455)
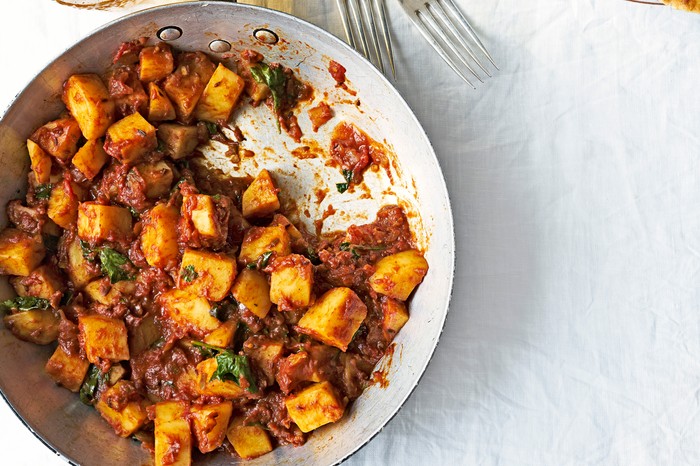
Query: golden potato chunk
point(130, 138)
point(224, 388)
point(180, 140)
point(127, 419)
point(90, 158)
point(189, 311)
point(59, 138)
point(44, 282)
point(38, 326)
point(315, 406)
point(19, 252)
point(201, 210)
point(220, 96)
point(66, 369)
point(394, 317)
point(156, 62)
point(159, 106)
point(206, 274)
point(103, 292)
point(334, 318)
point(41, 162)
point(159, 236)
point(186, 84)
point(88, 101)
point(252, 290)
point(97, 222)
point(398, 274)
point(222, 336)
point(209, 423)
point(260, 199)
point(80, 270)
point(103, 338)
point(63, 203)
point(259, 240)
point(291, 282)
point(157, 178)
point(248, 441)
point(173, 441)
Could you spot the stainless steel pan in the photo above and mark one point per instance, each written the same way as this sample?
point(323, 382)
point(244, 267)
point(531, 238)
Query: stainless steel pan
point(414, 180)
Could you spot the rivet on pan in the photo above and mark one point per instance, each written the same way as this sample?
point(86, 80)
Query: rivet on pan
point(219, 46)
point(169, 33)
point(266, 36)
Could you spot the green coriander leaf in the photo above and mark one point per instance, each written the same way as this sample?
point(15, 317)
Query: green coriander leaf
point(189, 274)
point(43, 191)
point(348, 174)
point(312, 256)
point(233, 367)
point(211, 127)
point(88, 391)
point(252, 266)
point(272, 77)
point(88, 253)
point(265, 258)
point(342, 187)
point(134, 212)
point(355, 254)
point(112, 264)
point(26, 303)
point(344, 246)
point(67, 298)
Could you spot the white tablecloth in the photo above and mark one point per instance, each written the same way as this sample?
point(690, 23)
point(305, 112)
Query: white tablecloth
point(574, 331)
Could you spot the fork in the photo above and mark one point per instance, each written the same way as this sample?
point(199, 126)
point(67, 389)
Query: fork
point(440, 22)
point(358, 21)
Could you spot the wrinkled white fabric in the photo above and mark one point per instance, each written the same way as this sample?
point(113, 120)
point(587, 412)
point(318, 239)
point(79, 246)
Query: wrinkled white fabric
point(574, 332)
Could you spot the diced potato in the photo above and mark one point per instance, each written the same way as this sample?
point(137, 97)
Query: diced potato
point(129, 418)
point(315, 406)
point(291, 282)
point(59, 138)
point(220, 96)
point(37, 326)
point(224, 388)
point(103, 338)
point(173, 441)
point(209, 423)
point(180, 141)
point(63, 203)
point(88, 101)
point(43, 282)
point(259, 240)
point(90, 158)
point(97, 222)
point(397, 275)
point(189, 311)
point(159, 106)
point(264, 353)
point(248, 441)
point(201, 210)
point(159, 236)
point(394, 317)
point(67, 369)
point(157, 178)
point(334, 318)
point(222, 336)
point(156, 62)
point(260, 199)
point(101, 291)
point(80, 270)
point(130, 138)
point(41, 162)
point(252, 290)
point(19, 252)
point(295, 369)
point(206, 274)
point(319, 115)
point(186, 84)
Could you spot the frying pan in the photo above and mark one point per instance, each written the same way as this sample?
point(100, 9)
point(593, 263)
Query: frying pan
point(412, 178)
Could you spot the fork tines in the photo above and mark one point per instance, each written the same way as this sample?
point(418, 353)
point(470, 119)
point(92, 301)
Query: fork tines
point(440, 22)
point(360, 22)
